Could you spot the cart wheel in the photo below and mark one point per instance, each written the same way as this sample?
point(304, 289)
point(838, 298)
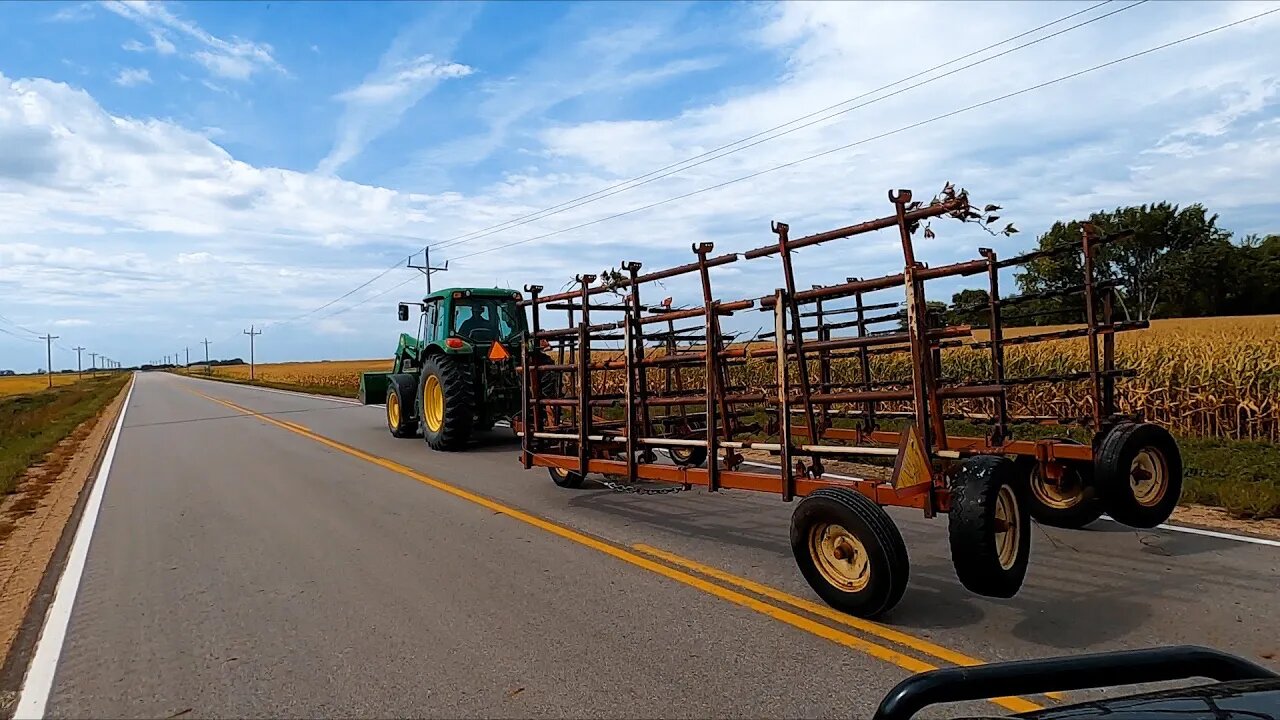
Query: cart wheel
point(1139, 471)
point(565, 478)
point(989, 526)
point(1071, 503)
point(849, 551)
point(688, 456)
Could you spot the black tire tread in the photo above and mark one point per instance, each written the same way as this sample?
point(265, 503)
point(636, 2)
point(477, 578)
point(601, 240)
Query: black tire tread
point(971, 534)
point(408, 423)
point(887, 536)
point(1113, 473)
point(457, 386)
point(572, 479)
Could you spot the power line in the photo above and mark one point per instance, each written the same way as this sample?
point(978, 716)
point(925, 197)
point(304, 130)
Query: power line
point(398, 264)
point(904, 128)
point(368, 299)
point(716, 153)
point(20, 337)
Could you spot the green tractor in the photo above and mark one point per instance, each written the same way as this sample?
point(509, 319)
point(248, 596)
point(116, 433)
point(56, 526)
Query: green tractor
point(459, 375)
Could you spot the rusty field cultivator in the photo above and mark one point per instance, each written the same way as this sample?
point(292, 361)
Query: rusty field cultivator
point(662, 394)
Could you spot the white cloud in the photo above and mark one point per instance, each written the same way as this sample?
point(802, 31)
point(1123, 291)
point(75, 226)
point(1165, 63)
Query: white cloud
point(132, 77)
point(73, 13)
point(377, 104)
point(71, 322)
point(234, 58)
point(134, 46)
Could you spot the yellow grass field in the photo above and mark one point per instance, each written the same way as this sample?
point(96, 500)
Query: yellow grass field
point(22, 384)
point(337, 377)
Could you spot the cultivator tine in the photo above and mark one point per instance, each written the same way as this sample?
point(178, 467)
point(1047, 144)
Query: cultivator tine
point(797, 343)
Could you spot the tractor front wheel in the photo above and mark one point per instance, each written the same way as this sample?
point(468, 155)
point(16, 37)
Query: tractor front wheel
point(448, 403)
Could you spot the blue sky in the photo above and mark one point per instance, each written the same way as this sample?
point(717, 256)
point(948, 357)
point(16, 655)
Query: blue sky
point(176, 171)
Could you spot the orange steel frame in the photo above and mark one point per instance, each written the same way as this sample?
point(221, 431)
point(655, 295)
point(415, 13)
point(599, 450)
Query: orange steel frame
point(588, 443)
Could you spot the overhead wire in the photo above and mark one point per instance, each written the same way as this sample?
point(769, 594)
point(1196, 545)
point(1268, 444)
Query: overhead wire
point(872, 138)
point(716, 154)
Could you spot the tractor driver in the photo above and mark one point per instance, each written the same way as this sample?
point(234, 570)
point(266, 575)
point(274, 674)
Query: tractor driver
point(480, 319)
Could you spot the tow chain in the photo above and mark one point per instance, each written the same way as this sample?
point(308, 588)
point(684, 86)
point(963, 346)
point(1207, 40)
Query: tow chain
point(637, 490)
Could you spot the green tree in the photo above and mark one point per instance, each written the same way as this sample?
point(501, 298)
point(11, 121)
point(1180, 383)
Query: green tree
point(1161, 268)
point(970, 307)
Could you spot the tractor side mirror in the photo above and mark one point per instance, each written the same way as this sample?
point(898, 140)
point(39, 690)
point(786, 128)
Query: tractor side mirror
point(403, 312)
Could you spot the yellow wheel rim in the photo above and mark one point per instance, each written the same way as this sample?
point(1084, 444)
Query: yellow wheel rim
point(681, 454)
point(1063, 496)
point(840, 557)
point(393, 410)
point(1149, 477)
point(560, 472)
point(433, 403)
point(1008, 527)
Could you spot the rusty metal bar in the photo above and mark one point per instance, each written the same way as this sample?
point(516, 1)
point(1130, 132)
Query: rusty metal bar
point(784, 396)
point(824, 365)
point(841, 290)
point(1000, 432)
point(1064, 334)
point(848, 310)
point(1109, 373)
point(929, 422)
point(632, 430)
point(968, 267)
point(796, 345)
point(1090, 312)
point(584, 377)
point(863, 396)
point(923, 213)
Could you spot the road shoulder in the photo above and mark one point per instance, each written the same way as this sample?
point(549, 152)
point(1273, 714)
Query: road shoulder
point(43, 513)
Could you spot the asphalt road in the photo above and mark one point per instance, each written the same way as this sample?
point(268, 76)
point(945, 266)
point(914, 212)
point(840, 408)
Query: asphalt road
point(249, 566)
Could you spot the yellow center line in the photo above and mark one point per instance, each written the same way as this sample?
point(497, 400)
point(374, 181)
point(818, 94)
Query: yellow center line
point(825, 611)
point(795, 620)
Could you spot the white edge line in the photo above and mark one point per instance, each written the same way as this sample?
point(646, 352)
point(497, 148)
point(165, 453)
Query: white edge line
point(39, 680)
point(1173, 528)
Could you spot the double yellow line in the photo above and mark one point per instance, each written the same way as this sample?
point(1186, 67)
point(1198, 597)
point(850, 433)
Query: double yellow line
point(674, 567)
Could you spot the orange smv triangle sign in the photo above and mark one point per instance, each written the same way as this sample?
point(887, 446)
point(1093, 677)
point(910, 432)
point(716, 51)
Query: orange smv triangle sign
point(497, 352)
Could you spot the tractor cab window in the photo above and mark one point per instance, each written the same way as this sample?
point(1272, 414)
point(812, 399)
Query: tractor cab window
point(482, 319)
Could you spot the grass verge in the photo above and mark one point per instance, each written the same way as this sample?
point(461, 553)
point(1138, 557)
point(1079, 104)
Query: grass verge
point(32, 424)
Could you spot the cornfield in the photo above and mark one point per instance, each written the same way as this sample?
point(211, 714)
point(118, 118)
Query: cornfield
point(336, 377)
point(1207, 377)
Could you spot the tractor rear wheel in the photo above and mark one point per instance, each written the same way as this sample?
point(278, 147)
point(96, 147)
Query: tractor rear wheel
point(448, 403)
point(400, 419)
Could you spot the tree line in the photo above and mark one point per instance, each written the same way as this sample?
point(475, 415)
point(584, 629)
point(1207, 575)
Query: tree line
point(1177, 263)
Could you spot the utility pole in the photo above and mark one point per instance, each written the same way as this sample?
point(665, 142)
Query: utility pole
point(48, 349)
point(425, 268)
point(93, 364)
point(252, 334)
point(79, 368)
point(188, 357)
point(207, 370)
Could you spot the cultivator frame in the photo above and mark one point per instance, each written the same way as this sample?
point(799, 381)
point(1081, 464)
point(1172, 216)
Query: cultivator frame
point(573, 429)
